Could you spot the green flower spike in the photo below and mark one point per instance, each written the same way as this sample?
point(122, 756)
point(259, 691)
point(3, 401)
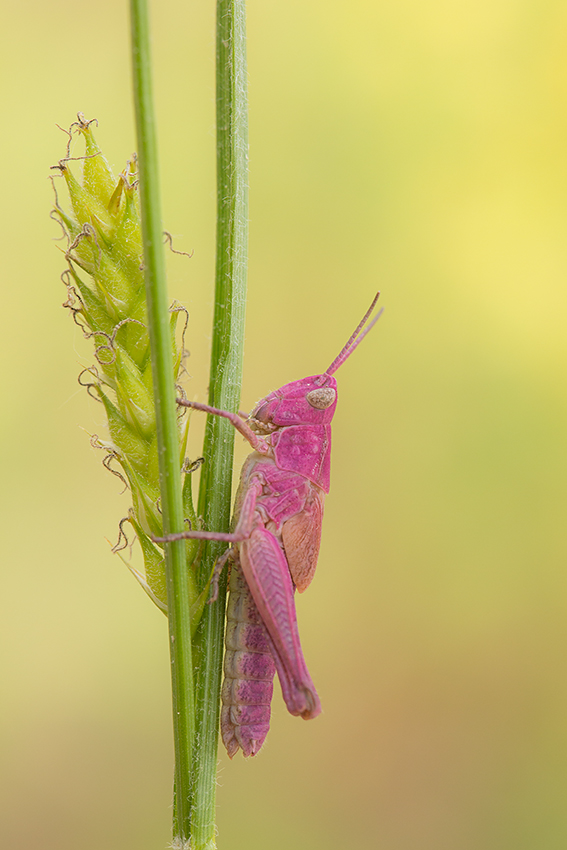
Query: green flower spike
point(106, 296)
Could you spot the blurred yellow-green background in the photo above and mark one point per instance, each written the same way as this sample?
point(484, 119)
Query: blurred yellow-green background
point(415, 147)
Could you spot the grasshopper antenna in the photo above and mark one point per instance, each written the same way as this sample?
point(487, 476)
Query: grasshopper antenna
point(356, 337)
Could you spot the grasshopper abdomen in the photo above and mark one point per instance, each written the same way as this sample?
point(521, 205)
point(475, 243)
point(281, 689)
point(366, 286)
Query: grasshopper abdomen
point(248, 672)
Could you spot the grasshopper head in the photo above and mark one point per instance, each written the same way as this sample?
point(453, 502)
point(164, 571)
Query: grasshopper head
point(311, 401)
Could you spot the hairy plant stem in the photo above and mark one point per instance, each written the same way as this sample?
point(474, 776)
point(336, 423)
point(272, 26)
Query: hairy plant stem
point(224, 389)
point(178, 597)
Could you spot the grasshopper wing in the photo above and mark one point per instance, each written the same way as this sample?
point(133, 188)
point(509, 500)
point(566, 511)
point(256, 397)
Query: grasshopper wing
point(301, 537)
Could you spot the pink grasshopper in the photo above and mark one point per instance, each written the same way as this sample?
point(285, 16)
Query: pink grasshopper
point(274, 548)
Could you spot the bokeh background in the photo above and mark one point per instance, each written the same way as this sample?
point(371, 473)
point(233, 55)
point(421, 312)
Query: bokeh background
point(414, 147)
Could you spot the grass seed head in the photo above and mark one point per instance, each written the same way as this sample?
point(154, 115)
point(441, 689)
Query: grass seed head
point(106, 295)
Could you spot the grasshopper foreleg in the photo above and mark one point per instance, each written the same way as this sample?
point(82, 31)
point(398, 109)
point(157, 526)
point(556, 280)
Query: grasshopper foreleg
point(257, 443)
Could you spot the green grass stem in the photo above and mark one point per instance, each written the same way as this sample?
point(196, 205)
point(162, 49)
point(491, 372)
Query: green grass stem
point(178, 596)
point(224, 388)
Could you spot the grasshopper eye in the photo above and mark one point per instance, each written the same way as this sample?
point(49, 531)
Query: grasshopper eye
point(321, 399)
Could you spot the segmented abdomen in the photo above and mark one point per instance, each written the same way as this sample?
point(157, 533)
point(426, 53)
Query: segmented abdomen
point(248, 672)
